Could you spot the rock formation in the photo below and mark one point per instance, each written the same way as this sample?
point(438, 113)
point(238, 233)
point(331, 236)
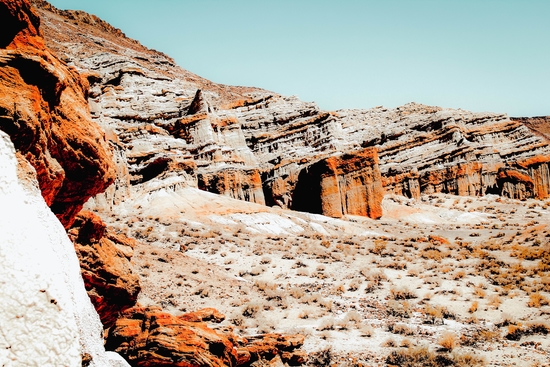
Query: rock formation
point(539, 124)
point(252, 144)
point(105, 265)
point(47, 317)
point(43, 107)
point(150, 337)
point(340, 185)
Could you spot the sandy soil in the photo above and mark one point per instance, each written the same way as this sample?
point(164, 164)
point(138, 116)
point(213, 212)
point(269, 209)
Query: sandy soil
point(471, 275)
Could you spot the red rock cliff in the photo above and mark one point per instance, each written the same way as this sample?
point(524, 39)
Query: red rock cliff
point(44, 109)
point(339, 185)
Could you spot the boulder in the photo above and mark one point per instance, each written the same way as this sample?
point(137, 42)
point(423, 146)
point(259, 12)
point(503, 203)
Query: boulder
point(105, 265)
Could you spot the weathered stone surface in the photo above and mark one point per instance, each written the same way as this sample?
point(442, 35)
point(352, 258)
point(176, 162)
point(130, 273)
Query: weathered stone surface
point(232, 132)
point(150, 337)
point(47, 317)
point(340, 185)
point(235, 183)
point(43, 108)
point(105, 265)
point(538, 124)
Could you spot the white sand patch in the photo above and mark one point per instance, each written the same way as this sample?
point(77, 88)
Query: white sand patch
point(268, 223)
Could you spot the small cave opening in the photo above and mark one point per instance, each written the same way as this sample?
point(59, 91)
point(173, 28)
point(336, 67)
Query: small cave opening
point(151, 171)
point(307, 194)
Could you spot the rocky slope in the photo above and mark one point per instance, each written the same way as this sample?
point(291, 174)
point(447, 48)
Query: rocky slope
point(172, 132)
point(62, 160)
point(170, 127)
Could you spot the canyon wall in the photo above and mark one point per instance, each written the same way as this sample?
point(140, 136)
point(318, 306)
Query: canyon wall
point(44, 109)
point(171, 128)
point(47, 316)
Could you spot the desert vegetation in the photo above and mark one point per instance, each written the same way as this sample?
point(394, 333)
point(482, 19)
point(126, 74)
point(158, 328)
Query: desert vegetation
point(448, 293)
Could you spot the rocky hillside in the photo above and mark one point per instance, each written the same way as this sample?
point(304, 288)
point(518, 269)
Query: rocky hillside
point(171, 127)
point(104, 123)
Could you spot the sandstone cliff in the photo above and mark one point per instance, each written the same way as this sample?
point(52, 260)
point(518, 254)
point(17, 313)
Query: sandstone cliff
point(105, 265)
point(48, 318)
point(44, 109)
point(171, 129)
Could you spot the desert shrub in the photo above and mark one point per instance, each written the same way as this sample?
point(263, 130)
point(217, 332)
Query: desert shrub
point(296, 292)
point(401, 293)
point(422, 356)
point(401, 329)
point(379, 247)
point(353, 316)
point(257, 270)
point(448, 341)
point(431, 314)
point(537, 328)
point(320, 358)
point(354, 285)
point(494, 300)
point(537, 300)
point(398, 309)
point(251, 309)
point(326, 324)
point(366, 330)
point(473, 307)
point(479, 336)
point(514, 332)
point(389, 343)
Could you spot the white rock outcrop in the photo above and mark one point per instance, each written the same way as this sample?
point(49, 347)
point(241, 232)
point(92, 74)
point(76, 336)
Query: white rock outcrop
point(46, 317)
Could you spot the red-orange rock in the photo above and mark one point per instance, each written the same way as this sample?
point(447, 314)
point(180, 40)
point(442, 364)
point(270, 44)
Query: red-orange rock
point(236, 183)
point(149, 337)
point(43, 107)
point(105, 265)
point(268, 346)
point(206, 314)
point(339, 185)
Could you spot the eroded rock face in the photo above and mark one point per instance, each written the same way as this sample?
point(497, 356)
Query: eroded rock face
point(47, 317)
point(157, 113)
point(43, 108)
point(105, 265)
point(150, 337)
point(340, 185)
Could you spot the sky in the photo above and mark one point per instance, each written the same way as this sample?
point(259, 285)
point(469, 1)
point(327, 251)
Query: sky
point(478, 55)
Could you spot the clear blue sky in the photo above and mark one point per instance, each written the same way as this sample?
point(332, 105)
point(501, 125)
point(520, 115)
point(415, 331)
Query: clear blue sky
point(479, 55)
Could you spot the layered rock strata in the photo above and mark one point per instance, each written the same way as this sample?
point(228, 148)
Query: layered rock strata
point(150, 337)
point(159, 115)
point(105, 266)
point(340, 185)
point(44, 109)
